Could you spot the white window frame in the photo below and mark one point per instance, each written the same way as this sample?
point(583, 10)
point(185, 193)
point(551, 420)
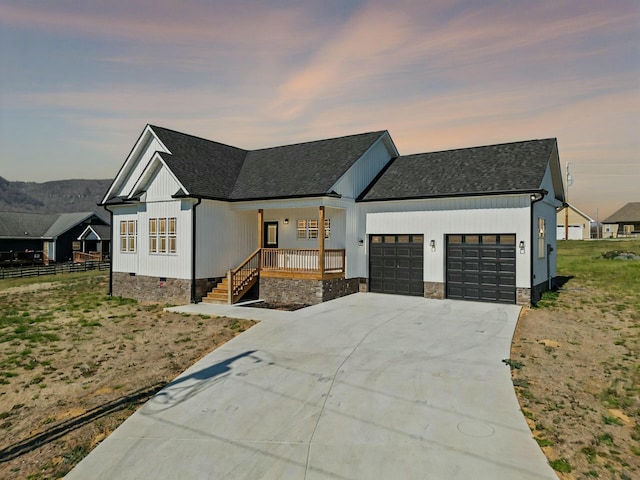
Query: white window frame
point(128, 236)
point(542, 237)
point(163, 237)
point(308, 228)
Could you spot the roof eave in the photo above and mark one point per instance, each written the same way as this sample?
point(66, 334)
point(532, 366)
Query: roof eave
point(451, 195)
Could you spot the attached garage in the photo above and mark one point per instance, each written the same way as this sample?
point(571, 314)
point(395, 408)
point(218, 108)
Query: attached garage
point(481, 268)
point(396, 264)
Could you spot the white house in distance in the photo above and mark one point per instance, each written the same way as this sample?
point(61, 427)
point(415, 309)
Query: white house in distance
point(579, 224)
point(309, 222)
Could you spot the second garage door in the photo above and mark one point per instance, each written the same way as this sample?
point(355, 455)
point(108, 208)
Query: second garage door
point(481, 267)
point(396, 264)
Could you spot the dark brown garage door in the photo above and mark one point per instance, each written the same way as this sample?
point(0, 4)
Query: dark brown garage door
point(481, 267)
point(396, 264)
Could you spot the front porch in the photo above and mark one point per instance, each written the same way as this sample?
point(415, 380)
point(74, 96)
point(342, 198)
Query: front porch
point(281, 263)
point(285, 267)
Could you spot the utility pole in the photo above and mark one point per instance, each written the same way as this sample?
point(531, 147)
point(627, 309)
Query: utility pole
point(566, 210)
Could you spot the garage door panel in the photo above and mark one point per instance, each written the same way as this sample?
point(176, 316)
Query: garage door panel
point(471, 266)
point(455, 265)
point(489, 266)
point(481, 267)
point(396, 264)
point(508, 254)
point(507, 267)
point(489, 253)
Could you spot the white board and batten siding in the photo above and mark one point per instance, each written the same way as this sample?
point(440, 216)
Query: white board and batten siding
point(136, 164)
point(224, 238)
point(364, 170)
point(126, 262)
point(288, 233)
point(437, 218)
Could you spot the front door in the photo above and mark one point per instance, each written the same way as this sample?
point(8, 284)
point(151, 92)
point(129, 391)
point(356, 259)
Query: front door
point(270, 234)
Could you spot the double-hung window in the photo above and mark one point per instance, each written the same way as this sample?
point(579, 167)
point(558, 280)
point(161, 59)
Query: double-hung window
point(162, 235)
point(128, 235)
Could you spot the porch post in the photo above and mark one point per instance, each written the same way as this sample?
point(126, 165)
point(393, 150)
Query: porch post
point(321, 240)
point(260, 228)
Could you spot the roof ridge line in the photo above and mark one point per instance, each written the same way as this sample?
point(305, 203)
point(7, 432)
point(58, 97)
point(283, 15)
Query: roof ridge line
point(480, 146)
point(380, 132)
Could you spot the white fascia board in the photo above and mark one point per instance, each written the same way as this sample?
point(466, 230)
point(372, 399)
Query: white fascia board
point(556, 174)
point(127, 166)
point(86, 230)
point(154, 164)
point(389, 145)
point(292, 203)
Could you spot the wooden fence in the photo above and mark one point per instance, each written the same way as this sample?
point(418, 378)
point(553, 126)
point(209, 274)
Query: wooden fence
point(54, 269)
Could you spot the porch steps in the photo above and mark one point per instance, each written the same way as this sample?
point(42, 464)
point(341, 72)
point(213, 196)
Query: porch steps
point(220, 294)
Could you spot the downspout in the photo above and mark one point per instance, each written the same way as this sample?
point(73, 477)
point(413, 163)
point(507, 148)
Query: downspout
point(193, 251)
point(111, 244)
point(535, 198)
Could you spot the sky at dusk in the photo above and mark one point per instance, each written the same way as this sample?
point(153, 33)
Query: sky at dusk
point(79, 80)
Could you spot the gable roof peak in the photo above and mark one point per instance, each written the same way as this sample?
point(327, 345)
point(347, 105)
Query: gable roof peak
point(158, 130)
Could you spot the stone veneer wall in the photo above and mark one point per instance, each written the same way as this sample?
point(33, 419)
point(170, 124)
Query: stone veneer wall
point(434, 290)
point(205, 285)
point(339, 287)
point(305, 291)
point(523, 296)
point(153, 289)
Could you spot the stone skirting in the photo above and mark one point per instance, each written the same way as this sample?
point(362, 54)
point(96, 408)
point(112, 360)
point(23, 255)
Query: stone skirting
point(158, 289)
point(434, 290)
point(523, 296)
point(305, 291)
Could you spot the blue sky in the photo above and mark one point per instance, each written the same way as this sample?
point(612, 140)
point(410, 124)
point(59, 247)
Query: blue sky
point(80, 79)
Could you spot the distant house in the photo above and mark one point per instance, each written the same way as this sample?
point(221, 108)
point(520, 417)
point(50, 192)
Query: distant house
point(55, 235)
point(579, 224)
point(623, 223)
point(194, 219)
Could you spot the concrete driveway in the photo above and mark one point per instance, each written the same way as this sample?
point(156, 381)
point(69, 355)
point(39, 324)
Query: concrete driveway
point(364, 387)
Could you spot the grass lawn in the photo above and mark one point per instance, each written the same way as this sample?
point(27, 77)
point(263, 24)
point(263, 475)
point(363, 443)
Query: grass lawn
point(578, 359)
point(75, 363)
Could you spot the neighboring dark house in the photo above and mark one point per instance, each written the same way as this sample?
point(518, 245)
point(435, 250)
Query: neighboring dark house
point(623, 223)
point(53, 234)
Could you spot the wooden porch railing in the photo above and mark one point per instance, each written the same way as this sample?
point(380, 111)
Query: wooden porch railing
point(302, 260)
point(244, 276)
point(287, 262)
point(81, 257)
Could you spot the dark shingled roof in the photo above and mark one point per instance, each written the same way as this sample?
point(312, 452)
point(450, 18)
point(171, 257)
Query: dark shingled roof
point(205, 168)
point(303, 169)
point(509, 167)
point(213, 170)
point(629, 213)
point(39, 225)
point(25, 225)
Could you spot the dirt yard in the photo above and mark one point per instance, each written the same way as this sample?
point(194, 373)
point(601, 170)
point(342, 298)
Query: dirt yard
point(74, 363)
point(576, 365)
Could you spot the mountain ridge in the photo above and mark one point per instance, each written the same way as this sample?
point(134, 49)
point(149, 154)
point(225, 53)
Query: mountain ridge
point(55, 196)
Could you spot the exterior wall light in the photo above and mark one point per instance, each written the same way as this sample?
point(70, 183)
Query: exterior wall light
point(432, 244)
point(361, 242)
point(521, 246)
point(286, 221)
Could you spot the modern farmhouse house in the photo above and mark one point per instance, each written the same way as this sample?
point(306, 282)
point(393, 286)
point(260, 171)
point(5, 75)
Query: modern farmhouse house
point(309, 222)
